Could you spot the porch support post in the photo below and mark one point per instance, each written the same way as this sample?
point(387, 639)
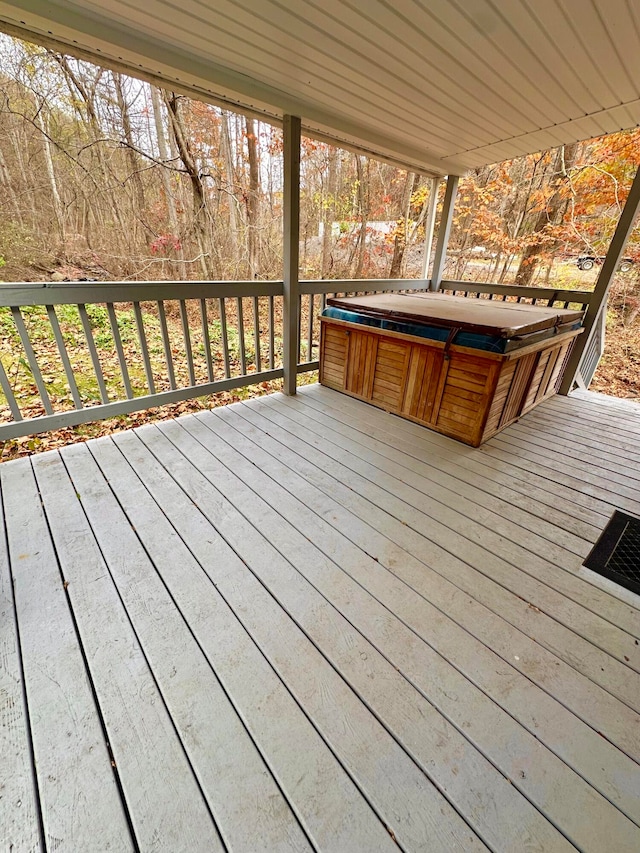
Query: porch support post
point(443, 232)
point(291, 205)
point(430, 225)
point(601, 291)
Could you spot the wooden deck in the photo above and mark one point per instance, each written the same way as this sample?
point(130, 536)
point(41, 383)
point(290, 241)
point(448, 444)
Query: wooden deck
point(305, 624)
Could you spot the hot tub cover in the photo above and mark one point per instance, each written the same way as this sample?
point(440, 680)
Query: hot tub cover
point(483, 316)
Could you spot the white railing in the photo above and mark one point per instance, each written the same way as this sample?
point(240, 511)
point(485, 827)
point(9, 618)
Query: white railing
point(79, 352)
point(548, 296)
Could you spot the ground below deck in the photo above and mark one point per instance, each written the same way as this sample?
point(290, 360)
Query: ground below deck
point(305, 624)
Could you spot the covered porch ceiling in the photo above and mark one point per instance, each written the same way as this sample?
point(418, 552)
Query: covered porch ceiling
point(438, 87)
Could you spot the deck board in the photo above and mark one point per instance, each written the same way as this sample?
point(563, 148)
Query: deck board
point(533, 431)
point(306, 770)
point(303, 623)
point(230, 770)
point(360, 740)
point(494, 733)
point(520, 647)
point(78, 794)
point(18, 803)
point(510, 565)
point(138, 725)
point(339, 634)
point(427, 449)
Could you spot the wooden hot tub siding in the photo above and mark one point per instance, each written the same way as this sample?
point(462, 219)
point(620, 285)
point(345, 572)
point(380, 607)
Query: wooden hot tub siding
point(465, 393)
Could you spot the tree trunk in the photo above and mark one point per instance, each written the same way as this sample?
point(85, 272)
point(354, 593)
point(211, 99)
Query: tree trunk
point(201, 222)
point(95, 133)
point(253, 200)
point(225, 138)
point(5, 181)
point(329, 211)
point(550, 215)
point(58, 207)
point(363, 194)
point(166, 179)
point(132, 157)
point(402, 227)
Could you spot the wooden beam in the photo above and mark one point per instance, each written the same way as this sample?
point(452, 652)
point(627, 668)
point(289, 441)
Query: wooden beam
point(443, 231)
point(601, 291)
point(291, 299)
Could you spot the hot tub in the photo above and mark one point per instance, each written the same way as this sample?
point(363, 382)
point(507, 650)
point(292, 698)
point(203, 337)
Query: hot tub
point(464, 367)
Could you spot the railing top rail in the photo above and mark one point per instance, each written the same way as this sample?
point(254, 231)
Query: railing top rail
point(330, 285)
point(60, 293)
point(559, 294)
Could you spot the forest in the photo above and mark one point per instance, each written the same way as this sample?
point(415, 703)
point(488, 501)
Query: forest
point(104, 177)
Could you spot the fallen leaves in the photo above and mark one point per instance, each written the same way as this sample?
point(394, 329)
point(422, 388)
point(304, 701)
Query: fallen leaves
point(50, 364)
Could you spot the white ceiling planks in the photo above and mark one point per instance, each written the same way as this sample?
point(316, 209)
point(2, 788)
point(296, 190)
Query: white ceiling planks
point(437, 85)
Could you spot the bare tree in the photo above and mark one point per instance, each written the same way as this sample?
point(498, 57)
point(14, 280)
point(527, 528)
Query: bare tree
point(253, 200)
point(549, 215)
point(201, 218)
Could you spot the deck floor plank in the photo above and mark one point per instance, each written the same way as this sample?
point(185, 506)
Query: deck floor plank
point(588, 483)
point(489, 528)
point(622, 428)
point(467, 476)
point(386, 772)
point(228, 766)
point(19, 821)
point(396, 703)
point(501, 619)
point(390, 430)
point(494, 513)
point(537, 431)
point(511, 566)
point(491, 474)
point(140, 731)
point(309, 775)
point(623, 415)
point(549, 784)
point(302, 623)
point(443, 628)
point(79, 797)
point(402, 795)
point(605, 435)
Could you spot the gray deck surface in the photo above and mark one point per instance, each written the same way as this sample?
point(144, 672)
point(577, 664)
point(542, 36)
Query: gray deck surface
point(305, 624)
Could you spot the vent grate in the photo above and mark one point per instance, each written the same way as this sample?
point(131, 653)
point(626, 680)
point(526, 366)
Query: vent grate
point(616, 554)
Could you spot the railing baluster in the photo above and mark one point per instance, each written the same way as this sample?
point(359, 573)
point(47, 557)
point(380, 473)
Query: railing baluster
point(31, 358)
point(7, 390)
point(256, 333)
point(166, 344)
point(93, 352)
point(115, 331)
point(272, 334)
point(184, 320)
point(310, 338)
point(64, 356)
point(206, 338)
point(225, 338)
point(300, 326)
point(243, 350)
point(142, 338)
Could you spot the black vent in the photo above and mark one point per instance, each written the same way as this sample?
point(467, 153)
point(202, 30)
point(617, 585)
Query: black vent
point(616, 554)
